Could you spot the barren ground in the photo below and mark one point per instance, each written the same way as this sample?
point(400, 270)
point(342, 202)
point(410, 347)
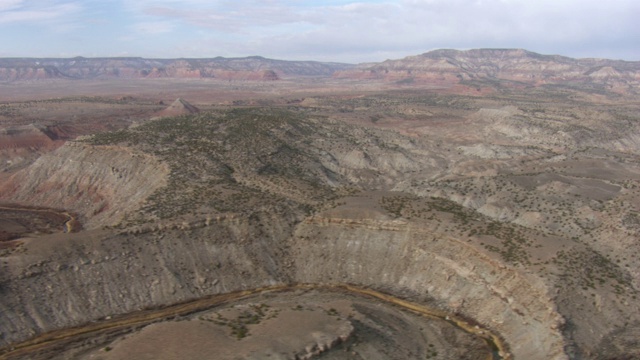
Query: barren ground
point(516, 209)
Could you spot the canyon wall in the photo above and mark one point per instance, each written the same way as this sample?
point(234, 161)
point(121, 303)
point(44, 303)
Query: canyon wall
point(92, 275)
point(405, 259)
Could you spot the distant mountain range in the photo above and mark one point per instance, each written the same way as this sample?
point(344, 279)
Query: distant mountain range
point(439, 66)
point(248, 68)
point(450, 66)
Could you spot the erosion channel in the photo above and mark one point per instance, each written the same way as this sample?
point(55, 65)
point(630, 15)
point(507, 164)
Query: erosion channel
point(280, 322)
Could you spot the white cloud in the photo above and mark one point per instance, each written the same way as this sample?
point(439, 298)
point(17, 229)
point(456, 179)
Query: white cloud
point(153, 27)
point(344, 30)
point(238, 17)
point(359, 30)
point(10, 4)
point(34, 11)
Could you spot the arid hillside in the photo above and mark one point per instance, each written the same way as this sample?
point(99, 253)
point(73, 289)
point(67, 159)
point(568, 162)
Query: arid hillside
point(511, 216)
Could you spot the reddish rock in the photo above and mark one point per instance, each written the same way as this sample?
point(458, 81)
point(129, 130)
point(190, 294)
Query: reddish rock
point(448, 67)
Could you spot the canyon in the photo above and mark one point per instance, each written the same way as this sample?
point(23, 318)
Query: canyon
point(496, 188)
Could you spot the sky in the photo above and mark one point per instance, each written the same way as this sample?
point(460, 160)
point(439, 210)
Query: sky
point(331, 30)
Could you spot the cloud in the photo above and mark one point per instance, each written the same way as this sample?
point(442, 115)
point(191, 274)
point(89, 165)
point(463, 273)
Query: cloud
point(153, 27)
point(10, 4)
point(415, 26)
point(237, 18)
point(16, 11)
point(343, 30)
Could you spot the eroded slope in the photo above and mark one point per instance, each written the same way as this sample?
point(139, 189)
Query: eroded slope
point(259, 197)
point(101, 184)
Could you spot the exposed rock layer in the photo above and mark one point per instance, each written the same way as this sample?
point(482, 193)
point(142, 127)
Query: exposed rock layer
point(176, 265)
point(99, 274)
point(453, 66)
point(99, 183)
point(250, 68)
point(253, 177)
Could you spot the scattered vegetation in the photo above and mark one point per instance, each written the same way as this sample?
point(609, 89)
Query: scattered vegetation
point(229, 161)
point(513, 242)
point(589, 269)
point(239, 325)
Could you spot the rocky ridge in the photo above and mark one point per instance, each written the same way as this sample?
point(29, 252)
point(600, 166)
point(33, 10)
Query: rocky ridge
point(515, 65)
point(249, 68)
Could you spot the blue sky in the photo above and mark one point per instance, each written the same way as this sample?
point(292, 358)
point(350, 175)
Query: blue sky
point(335, 30)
